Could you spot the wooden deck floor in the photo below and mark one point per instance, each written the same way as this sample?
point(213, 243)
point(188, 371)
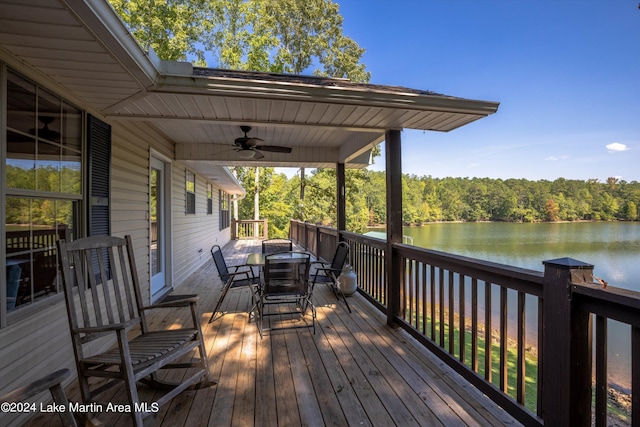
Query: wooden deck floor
point(354, 371)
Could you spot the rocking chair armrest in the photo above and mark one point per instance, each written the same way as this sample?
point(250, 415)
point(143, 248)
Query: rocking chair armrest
point(108, 328)
point(36, 387)
point(174, 301)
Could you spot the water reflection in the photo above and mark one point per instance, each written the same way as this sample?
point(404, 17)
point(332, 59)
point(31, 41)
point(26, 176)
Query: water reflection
point(612, 247)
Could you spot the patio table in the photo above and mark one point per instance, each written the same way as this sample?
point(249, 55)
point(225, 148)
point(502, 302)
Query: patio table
point(257, 259)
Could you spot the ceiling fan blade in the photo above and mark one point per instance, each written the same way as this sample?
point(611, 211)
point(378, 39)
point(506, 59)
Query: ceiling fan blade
point(252, 142)
point(273, 148)
point(257, 155)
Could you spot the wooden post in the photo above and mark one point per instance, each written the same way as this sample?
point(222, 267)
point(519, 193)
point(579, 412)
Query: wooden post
point(393, 268)
point(566, 346)
point(341, 198)
point(265, 228)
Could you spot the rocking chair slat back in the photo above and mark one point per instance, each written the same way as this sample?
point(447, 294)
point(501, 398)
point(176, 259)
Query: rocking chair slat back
point(102, 272)
point(102, 293)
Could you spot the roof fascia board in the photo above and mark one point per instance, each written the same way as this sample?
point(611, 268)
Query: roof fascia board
point(233, 181)
point(100, 19)
point(371, 96)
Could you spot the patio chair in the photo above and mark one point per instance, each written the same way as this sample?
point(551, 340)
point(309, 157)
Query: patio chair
point(240, 276)
point(271, 246)
point(104, 302)
point(328, 272)
point(53, 383)
point(286, 282)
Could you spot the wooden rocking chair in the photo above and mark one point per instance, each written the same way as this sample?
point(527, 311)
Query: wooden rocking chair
point(103, 298)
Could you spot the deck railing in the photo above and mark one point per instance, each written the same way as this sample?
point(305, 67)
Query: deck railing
point(249, 229)
point(505, 329)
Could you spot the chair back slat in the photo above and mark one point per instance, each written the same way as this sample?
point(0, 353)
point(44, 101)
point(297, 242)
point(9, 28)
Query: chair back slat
point(286, 273)
point(340, 257)
point(105, 288)
point(271, 246)
point(220, 263)
point(98, 269)
point(129, 306)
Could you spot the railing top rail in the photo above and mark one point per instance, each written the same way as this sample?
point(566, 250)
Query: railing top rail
point(614, 303)
point(374, 242)
point(521, 279)
point(327, 230)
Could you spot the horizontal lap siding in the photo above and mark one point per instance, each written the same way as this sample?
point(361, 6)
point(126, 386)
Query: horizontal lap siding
point(192, 232)
point(130, 195)
point(38, 344)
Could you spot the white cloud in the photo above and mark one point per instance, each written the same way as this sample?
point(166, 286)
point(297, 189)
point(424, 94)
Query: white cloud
point(555, 159)
point(616, 146)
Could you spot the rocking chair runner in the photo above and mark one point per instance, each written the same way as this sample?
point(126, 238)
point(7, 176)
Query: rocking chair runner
point(102, 293)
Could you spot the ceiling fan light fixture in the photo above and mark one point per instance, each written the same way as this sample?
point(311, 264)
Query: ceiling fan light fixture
point(246, 154)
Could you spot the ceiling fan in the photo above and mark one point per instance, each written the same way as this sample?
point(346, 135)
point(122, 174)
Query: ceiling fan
point(44, 131)
point(249, 148)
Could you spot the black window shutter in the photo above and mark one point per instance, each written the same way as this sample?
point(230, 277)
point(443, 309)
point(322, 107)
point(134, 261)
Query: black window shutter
point(99, 179)
point(99, 171)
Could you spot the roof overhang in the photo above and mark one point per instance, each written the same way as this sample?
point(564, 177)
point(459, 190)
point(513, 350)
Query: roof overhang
point(85, 50)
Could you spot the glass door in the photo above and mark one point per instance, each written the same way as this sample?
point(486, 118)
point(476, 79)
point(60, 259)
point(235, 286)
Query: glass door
point(158, 226)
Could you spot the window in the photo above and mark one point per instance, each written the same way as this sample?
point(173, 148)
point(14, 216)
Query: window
point(43, 186)
point(209, 198)
point(190, 189)
point(224, 210)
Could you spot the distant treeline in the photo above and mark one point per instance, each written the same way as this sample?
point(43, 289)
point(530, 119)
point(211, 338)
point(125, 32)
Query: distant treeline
point(427, 199)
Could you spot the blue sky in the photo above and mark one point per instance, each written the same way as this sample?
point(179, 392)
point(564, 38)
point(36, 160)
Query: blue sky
point(566, 74)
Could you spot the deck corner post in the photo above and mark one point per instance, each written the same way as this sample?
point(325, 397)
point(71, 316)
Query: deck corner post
point(341, 198)
point(566, 347)
point(393, 268)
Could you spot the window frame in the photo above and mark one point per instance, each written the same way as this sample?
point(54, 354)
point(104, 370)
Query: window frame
point(61, 199)
point(209, 198)
point(189, 195)
point(224, 210)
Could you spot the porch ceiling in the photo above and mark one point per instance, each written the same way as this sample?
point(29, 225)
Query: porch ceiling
point(86, 50)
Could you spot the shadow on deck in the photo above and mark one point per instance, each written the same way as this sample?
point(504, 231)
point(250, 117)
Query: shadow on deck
point(355, 370)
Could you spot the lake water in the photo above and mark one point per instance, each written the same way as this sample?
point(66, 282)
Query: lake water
point(612, 247)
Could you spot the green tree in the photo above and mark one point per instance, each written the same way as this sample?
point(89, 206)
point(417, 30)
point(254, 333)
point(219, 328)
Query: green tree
point(172, 29)
point(630, 211)
point(283, 36)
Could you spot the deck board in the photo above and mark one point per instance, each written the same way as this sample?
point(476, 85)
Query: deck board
point(355, 370)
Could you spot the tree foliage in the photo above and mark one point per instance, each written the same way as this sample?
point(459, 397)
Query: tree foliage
point(427, 199)
point(281, 36)
point(173, 29)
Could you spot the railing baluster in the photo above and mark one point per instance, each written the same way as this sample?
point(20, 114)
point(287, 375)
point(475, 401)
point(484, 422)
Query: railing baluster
point(461, 308)
point(522, 344)
point(441, 283)
point(504, 347)
point(601, 372)
point(635, 376)
point(452, 332)
point(432, 268)
point(487, 333)
point(474, 324)
point(424, 299)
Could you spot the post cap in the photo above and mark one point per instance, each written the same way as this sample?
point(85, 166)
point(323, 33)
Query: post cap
point(567, 262)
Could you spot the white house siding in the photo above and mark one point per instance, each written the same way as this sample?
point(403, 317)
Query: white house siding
point(193, 234)
point(40, 343)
